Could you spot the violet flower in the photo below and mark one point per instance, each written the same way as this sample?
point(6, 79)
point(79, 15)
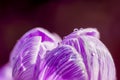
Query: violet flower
point(40, 55)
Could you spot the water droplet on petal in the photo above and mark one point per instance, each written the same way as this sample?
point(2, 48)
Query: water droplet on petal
point(76, 29)
point(93, 54)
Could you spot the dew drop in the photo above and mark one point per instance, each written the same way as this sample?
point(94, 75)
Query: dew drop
point(76, 29)
point(93, 54)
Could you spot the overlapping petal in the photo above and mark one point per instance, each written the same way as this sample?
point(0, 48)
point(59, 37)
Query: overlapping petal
point(97, 59)
point(80, 56)
point(63, 63)
point(26, 57)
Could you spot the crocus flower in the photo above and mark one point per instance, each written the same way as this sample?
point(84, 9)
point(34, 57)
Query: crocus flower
point(41, 55)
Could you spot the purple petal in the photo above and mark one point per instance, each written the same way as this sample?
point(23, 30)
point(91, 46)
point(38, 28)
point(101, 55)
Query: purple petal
point(27, 55)
point(84, 32)
point(63, 63)
point(6, 72)
point(96, 57)
point(80, 56)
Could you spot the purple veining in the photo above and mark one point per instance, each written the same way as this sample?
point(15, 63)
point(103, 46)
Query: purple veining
point(40, 55)
point(94, 54)
point(66, 63)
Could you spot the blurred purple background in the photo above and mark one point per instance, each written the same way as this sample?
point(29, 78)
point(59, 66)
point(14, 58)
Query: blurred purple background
point(60, 16)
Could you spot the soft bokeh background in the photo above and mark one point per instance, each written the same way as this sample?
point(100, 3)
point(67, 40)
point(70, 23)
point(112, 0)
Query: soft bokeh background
point(60, 16)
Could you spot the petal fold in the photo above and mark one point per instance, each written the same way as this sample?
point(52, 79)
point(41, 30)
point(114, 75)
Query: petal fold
point(26, 57)
point(97, 58)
